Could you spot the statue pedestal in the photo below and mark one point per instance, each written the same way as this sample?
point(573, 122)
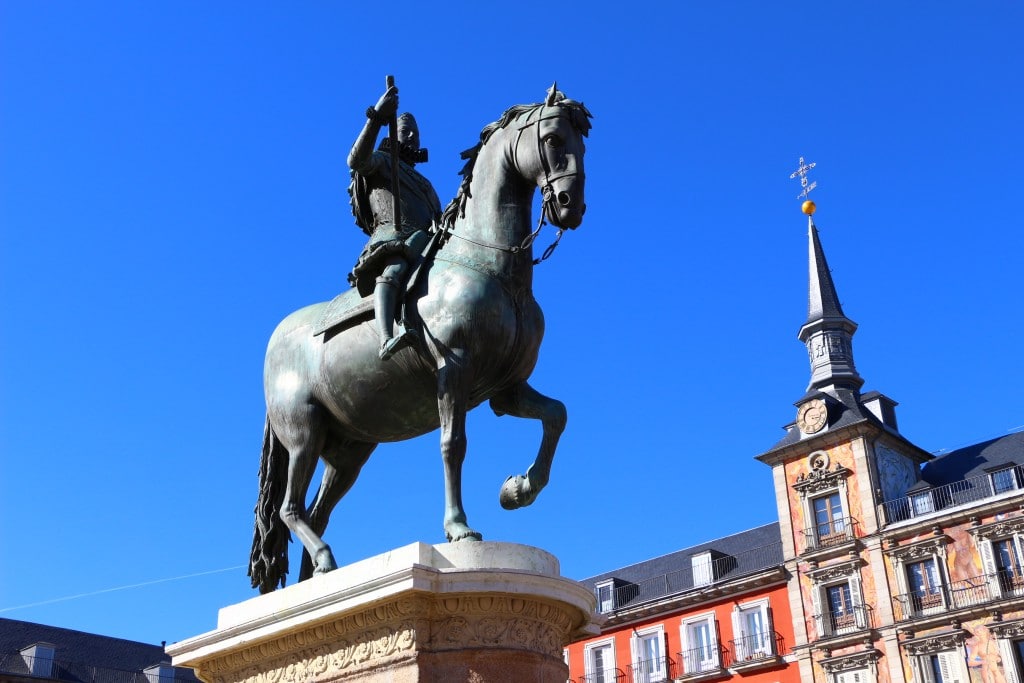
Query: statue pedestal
point(475, 612)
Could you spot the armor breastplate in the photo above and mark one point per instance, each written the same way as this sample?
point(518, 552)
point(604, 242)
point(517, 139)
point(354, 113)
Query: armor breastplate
point(416, 214)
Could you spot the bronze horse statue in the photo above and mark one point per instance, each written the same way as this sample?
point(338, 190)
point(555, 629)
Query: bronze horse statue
point(331, 397)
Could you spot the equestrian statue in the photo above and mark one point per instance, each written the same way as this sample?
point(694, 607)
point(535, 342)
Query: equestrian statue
point(338, 380)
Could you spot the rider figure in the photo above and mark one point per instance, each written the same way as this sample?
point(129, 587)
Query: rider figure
point(392, 248)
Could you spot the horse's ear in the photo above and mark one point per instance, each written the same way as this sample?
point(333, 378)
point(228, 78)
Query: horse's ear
point(553, 93)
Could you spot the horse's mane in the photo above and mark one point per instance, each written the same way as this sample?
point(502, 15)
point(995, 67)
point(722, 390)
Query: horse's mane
point(578, 115)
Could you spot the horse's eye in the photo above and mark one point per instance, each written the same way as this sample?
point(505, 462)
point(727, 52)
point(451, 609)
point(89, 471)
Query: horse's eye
point(553, 140)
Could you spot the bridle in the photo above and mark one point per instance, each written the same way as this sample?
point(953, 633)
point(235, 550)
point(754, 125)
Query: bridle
point(547, 191)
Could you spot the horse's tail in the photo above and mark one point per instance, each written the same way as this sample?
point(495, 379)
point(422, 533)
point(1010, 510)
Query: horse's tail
point(268, 562)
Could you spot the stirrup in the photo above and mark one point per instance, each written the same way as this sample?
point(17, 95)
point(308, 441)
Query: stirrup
point(390, 347)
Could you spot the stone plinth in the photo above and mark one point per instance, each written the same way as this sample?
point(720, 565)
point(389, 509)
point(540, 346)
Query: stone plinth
point(474, 612)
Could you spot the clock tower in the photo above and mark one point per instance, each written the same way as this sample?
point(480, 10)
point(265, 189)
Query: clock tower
point(841, 457)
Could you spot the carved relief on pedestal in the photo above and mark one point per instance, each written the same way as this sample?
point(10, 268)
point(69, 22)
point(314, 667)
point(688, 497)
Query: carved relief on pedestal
point(500, 621)
point(395, 631)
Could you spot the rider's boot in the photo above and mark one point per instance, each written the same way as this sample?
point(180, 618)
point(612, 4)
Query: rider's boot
point(385, 300)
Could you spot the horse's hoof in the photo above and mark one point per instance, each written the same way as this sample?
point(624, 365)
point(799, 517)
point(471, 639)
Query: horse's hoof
point(324, 562)
point(511, 497)
point(462, 533)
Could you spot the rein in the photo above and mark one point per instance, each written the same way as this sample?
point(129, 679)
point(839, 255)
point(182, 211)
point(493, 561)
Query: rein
point(517, 248)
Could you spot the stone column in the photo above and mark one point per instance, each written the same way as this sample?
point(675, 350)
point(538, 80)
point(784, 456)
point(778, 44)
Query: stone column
point(474, 612)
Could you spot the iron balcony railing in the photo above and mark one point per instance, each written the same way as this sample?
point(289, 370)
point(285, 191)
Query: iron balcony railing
point(684, 579)
point(49, 668)
point(752, 648)
point(603, 676)
point(653, 670)
point(957, 493)
point(830, 534)
point(962, 594)
point(847, 621)
point(702, 660)
point(1010, 582)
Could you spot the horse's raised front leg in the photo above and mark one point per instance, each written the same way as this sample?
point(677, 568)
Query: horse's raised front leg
point(304, 439)
point(452, 399)
point(522, 400)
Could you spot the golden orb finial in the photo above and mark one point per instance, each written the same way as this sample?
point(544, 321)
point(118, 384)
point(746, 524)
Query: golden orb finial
point(808, 207)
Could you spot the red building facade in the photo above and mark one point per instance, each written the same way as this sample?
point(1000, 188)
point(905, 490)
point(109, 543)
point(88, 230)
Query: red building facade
point(713, 611)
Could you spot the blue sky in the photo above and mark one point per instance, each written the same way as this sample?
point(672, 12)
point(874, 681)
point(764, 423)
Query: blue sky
point(172, 184)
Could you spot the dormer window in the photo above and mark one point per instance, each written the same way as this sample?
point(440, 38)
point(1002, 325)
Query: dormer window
point(160, 673)
point(703, 569)
point(38, 659)
point(1006, 479)
point(922, 503)
point(605, 597)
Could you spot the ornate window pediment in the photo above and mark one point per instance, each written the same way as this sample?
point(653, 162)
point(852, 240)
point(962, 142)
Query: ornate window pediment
point(921, 550)
point(857, 660)
point(834, 572)
point(1007, 629)
point(939, 642)
point(1000, 529)
point(820, 478)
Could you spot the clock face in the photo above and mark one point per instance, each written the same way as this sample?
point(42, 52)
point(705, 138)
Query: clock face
point(812, 416)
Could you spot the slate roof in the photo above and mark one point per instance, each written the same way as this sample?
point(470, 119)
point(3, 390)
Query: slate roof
point(975, 460)
point(734, 556)
point(848, 411)
point(77, 647)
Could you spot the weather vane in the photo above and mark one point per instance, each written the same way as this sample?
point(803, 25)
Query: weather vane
point(808, 206)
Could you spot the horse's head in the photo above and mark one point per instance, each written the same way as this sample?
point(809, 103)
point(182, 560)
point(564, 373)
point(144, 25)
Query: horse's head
point(549, 151)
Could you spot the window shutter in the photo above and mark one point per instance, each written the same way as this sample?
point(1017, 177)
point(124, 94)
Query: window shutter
point(819, 616)
point(739, 634)
point(851, 677)
point(857, 598)
point(988, 563)
point(951, 666)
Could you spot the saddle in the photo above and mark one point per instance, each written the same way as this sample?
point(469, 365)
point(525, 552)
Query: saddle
point(351, 308)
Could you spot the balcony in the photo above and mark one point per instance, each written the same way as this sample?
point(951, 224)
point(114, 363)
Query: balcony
point(703, 662)
point(751, 652)
point(963, 594)
point(926, 501)
point(852, 620)
point(603, 676)
point(829, 535)
point(653, 671)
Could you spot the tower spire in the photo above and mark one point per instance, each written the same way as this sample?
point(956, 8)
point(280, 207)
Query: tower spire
point(828, 333)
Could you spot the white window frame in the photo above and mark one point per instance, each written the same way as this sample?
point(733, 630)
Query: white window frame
point(836, 575)
point(951, 666)
point(902, 557)
point(703, 569)
point(921, 503)
point(689, 644)
point(764, 646)
point(609, 606)
point(822, 483)
point(610, 669)
point(1014, 479)
point(653, 674)
point(985, 536)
